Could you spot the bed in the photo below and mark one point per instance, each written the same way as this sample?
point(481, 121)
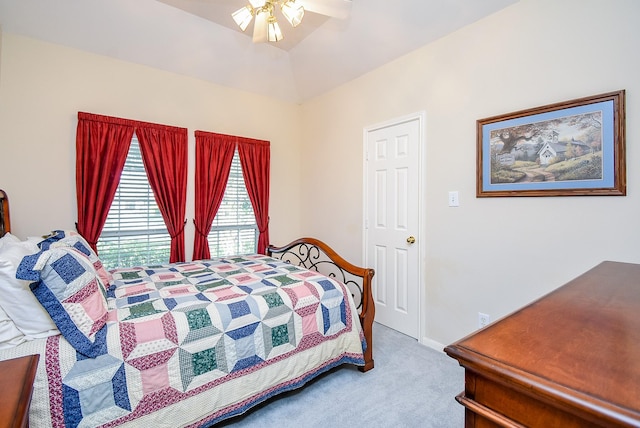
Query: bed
point(179, 345)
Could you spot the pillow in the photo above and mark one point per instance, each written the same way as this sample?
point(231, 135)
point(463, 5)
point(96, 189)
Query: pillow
point(79, 243)
point(66, 284)
point(8, 239)
point(17, 299)
point(55, 236)
point(69, 238)
point(10, 336)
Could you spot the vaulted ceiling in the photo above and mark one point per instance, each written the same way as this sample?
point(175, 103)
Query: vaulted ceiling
point(198, 38)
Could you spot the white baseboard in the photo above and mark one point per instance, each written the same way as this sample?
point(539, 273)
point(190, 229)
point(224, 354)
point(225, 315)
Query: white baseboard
point(432, 344)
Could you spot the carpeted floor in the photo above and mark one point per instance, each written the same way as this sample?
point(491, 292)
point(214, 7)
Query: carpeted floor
point(411, 386)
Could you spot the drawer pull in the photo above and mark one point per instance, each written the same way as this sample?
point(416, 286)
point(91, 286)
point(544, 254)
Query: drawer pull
point(487, 413)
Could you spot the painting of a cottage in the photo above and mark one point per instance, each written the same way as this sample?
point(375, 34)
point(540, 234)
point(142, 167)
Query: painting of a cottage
point(570, 148)
point(562, 149)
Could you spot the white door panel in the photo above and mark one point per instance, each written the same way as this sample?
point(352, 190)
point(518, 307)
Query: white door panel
point(392, 216)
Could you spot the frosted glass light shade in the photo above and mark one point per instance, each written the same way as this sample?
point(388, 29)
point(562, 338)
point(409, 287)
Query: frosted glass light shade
point(292, 12)
point(274, 33)
point(243, 17)
point(260, 30)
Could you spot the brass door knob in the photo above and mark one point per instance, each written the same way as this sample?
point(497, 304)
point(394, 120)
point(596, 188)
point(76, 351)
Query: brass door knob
point(411, 240)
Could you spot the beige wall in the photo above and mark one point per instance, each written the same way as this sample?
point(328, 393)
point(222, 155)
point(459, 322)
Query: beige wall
point(489, 255)
point(43, 86)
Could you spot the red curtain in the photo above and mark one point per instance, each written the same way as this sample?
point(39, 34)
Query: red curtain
point(214, 154)
point(102, 145)
point(164, 154)
point(255, 160)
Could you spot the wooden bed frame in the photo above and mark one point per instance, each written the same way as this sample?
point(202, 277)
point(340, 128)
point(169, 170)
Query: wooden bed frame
point(314, 254)
point(5, 221)
point(309, 253)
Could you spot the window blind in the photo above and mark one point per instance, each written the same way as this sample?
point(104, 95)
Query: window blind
point(234, 229)
point(134, 233)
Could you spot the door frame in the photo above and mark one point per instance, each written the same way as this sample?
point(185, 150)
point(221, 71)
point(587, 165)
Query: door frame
point(421, 117)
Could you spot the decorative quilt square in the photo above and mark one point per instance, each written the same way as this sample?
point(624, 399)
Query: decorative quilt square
point(309, 319)
point(239, 309)
point(190, 268)
point(170, 283)
point(291, 268)
point(224, 293)
point(224, 269)
point(129, 274)
point(273, 299)
point(195, 323)
point(255, 287)
point(277, 303)
point(281, 280)
point(104, 377)
point(279, 335)
point(178, 290)
point(125, 290)
point(243, 278)
point(209, 281)
point(198, 318)
point(245, 346)
point(155, 378)
point(261, 257)
point(147, 337)
point(257, 268)
point(239, 260)
point(302, 294)
point(269, 273)
point(198, 299)
point(238, 312)
point(201, 365)
point(154, 370)
point(134, 299)
point(305, 275)
point(165, 276)
point(151, 308)
point(334, 316)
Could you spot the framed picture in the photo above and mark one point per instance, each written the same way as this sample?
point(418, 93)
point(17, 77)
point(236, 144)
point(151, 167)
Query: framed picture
point(573, 148)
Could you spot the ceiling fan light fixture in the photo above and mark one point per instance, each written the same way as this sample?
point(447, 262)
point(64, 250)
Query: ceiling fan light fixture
point(260, 28)
point(266, 27)
point(293, 12)
point(243, 16)
point(273, 29)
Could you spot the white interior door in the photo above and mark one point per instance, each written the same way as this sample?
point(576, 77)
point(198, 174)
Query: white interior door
point(392, 221)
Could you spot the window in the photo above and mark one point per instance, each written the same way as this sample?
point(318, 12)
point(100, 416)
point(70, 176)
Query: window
point(234, 229)
point(135, 233)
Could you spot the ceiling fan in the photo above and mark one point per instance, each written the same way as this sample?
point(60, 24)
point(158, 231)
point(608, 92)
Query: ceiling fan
point(266, 27)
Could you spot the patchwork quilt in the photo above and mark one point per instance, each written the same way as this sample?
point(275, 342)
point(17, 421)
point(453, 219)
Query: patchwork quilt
point(190, 344)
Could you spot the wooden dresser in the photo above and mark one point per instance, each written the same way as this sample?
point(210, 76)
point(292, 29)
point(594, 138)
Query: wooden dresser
point(569, 359)
point(16, 387)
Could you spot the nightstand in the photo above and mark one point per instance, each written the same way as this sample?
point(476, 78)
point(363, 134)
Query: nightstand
point(16, 386)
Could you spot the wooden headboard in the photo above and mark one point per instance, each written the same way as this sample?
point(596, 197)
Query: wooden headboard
point(5, 221)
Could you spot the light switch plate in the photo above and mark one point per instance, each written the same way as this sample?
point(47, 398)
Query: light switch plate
point(454, 200)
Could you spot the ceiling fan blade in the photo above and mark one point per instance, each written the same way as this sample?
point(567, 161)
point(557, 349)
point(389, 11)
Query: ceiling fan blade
point(260, 28)
point(334, 8)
